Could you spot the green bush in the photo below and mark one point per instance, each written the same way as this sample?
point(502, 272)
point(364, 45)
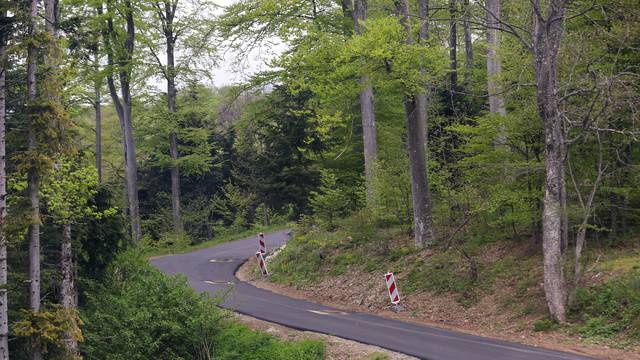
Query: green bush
point(545, 324)
point(609, 308)
point(139, 313)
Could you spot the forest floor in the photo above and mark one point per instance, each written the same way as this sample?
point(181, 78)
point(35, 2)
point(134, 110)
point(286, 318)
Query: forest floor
point(506, 303)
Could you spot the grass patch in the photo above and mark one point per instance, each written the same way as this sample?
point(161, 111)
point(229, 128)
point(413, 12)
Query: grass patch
point(377, 356)
point(622, 264)
point(239, 342)
point(300, 261)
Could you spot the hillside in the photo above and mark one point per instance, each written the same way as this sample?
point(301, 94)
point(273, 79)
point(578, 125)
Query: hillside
point(504, 299)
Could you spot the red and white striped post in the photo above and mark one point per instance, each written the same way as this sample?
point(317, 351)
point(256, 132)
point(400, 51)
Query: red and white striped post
point(392, 288)
point(262, 245)
point(262, 263)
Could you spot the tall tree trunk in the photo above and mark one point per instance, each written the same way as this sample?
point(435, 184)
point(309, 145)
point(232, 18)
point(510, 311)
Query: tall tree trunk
point(131, 169)
point(494, 66)
point(423, 14)
point(369, 133)
point(4, 315)
point(468, 44)
point(453, 45)
point(548, 31)
point(124, 107)
point(423, 102)
point(170, 9)
point(97, 102)
point(67, 288)
point(347, 11)
point(33, 179)
point(414, 107)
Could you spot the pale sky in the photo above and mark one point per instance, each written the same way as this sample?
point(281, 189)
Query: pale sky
point(228, 73)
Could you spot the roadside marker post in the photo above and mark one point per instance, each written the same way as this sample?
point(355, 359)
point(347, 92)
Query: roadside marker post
point(392, 288)
point(262, 245)
point(262, 263)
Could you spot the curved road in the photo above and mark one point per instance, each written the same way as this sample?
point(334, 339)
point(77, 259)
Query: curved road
point(212, 270)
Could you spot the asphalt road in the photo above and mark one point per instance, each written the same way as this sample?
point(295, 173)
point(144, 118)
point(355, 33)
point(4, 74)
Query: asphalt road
point(212, 270)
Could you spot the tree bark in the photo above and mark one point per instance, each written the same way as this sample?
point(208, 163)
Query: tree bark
point(124, 109)
point(369, 133)
point(423, 14)
point(347, 9)
point(547, 33)
point(414, 107)
point(468, 44)
point(169, 14)
point(33, 179)
point(4, 315)
point(97, 102)
point(67, 288)
point(494, 66)
point(453, 45)
point(423, 102)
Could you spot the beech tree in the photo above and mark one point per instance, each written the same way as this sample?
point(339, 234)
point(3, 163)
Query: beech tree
point(547, 33)
point(415, 112)
point(5, 23)
point(494, 67)
point(118, 35)
point(367, 108)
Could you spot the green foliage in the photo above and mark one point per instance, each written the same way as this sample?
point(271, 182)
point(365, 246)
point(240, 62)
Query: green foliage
point(276, 142)
point(68, 189)
point(100, 239)
point(334, 199)
point(442, 273)
point(159, 317)
point(149, 312)
point(611, 307)
point(47, 328)
point(393, 203)
point(545, 325)
point(300, 261)
point(238, 342)
point(191, 127)
point(377, 356)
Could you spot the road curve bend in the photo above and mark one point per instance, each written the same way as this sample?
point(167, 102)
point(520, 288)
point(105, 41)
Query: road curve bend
point(213, 270)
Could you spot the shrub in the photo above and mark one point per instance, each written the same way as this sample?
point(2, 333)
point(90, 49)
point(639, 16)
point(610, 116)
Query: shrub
point(545, 324)
point(140, 313)
point(611, 307)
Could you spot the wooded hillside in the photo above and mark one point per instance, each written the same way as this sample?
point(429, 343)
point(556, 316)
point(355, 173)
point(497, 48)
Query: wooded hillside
point(455, 124)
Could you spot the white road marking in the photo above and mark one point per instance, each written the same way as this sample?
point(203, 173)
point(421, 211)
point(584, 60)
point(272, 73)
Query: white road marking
point(219, 282)
point(328, 312)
